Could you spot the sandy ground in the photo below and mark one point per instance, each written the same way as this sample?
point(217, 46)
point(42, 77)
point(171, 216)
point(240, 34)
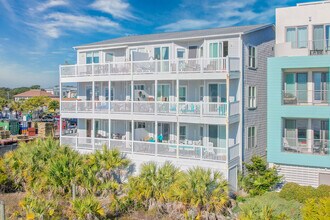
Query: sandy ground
point(11, 201)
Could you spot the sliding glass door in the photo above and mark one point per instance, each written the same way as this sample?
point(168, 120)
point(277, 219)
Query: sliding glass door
point(302, 87)
point(163, 93)
point(217, 136)
point(217, 96)
point(321, 81)
point(162, 54)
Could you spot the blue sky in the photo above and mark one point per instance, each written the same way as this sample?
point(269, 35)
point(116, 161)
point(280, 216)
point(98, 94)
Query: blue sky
point(37, 36)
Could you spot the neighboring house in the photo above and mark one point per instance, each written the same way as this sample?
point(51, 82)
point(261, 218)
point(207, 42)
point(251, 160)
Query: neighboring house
point(195, 98)
point(298, 94)
point(67, 91)
point(32, 93)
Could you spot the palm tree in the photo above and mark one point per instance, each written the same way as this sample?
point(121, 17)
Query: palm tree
point(201, 189)
point(104, 171)
point(151, 187)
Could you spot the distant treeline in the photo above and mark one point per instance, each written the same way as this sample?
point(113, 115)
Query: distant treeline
point(8, 93)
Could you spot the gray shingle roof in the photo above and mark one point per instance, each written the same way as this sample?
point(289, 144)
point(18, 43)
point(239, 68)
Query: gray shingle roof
point(178, 35)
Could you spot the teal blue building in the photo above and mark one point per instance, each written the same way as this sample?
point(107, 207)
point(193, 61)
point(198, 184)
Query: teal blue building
point(298, 104)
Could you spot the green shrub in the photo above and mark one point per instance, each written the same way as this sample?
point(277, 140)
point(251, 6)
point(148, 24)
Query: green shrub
point(269, 206)
point(36, 207)
point(87, 208)
point(318, 209)
point(293, 191)
point(259, 178)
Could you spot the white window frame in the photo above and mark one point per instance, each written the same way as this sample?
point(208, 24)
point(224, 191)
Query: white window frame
point(251, 57)
point(252, 97)
point(93, 55)
point(247, 146)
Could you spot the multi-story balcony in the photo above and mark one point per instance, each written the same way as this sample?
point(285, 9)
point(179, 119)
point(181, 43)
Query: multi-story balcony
point(178, 66)
point(199, 109)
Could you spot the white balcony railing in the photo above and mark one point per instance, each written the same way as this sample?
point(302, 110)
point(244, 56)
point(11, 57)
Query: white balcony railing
point(178, 66)
point(184, 151)
point(145, 107)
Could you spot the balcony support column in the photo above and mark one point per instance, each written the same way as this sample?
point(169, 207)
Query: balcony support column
point(177, 138)
point(310, 98)
point(177, 99)
point(132, 130)
point(93, 96)
point(109, 133)
point(109, 96)
point(93, 133)
point(156, 137)
point(156, 94)
point(309, 136)
point(227, 118)
point(132, 97)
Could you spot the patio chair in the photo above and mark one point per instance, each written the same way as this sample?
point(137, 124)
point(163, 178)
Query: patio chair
point(287, 147)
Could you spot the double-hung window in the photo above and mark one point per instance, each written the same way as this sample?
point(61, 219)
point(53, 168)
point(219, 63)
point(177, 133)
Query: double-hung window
point(252, 134)
point(252, 102)
point(92, 57)
point(252, 57)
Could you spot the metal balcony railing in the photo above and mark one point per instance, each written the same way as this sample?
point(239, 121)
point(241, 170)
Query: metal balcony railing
point(308, 97)
point(178, 66)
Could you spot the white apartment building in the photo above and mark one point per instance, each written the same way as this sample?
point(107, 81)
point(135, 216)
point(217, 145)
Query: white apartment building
point(195, 98)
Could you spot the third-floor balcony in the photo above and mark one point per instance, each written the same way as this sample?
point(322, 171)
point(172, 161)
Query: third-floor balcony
point(178, 66)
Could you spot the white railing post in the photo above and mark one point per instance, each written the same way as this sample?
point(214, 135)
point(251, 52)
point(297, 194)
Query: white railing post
point(201, 108)
point(202, 65)
point(76, 70)
point(76, 108)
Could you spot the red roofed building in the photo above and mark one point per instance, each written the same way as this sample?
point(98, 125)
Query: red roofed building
point(32, 93)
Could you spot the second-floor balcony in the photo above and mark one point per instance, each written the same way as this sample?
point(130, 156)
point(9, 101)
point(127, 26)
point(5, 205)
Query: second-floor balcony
point(178, 66)
point(306, 97)
point(198, 109)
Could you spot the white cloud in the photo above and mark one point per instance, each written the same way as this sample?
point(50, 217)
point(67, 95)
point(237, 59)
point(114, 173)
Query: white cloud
point(117, 8)
point(222, 14)
point(55, 25)
point(186, 24)
point(51, 4)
